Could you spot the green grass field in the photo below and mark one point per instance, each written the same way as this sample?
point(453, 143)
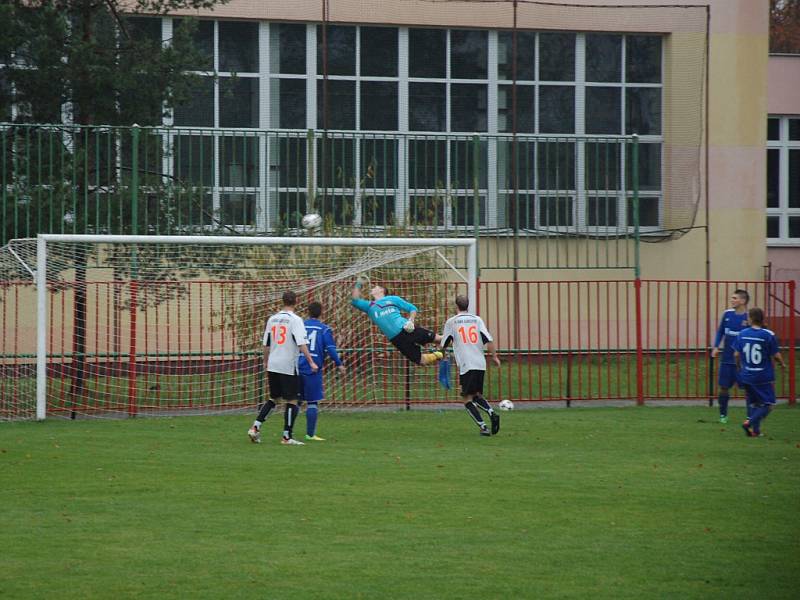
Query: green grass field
point(647, 502)
point(550, 378)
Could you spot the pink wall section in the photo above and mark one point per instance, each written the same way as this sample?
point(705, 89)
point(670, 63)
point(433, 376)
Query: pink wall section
point(785, 263)
point(783, 85)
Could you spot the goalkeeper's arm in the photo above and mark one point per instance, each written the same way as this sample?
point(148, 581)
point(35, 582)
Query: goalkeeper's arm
point(357, 289)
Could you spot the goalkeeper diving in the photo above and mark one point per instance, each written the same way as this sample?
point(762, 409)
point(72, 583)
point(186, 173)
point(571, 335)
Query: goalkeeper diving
point(386, 312)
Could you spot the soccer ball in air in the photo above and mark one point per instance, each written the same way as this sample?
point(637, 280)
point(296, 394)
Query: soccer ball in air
point(312, 221)
point(506, 405)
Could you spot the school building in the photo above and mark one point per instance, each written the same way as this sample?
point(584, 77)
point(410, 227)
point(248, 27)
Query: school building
point(416, 67)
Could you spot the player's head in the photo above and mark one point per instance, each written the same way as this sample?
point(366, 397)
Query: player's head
point(314, 310)
point(289, 298)
point(462, 302)
point(378, 292)
point(739, 298)
point(755, 316)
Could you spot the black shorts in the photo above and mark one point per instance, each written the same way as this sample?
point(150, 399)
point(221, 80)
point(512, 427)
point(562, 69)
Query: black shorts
point(282, 385)
point(471, 382)
point(409, 343)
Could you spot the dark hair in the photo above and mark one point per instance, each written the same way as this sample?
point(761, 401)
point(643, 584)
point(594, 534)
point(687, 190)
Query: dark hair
point(743, 295)
point(462, 302)
point(756, 316)
point(314, 310)
point(289, 298)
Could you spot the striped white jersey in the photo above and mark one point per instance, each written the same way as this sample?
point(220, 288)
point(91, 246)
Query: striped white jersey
point(469, 334)
point(284, 334)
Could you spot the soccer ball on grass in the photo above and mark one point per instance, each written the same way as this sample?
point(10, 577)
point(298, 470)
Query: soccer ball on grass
point(506, 405)
point(312, 221)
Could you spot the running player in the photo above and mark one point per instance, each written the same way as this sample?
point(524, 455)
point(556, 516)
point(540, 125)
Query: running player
point(469, 335)
point(284, 339)
point(387, 313)
point(732, 322)
point(755, 348)
point(320, 345)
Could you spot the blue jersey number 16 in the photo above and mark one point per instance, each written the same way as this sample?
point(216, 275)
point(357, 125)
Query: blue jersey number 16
point(753, 353)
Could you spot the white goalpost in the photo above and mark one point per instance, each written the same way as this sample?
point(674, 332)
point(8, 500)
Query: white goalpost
point(130, 325)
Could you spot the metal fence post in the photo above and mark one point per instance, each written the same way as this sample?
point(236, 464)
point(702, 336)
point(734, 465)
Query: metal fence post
point(134, 283)
point(637, 285)
point(476, 182)
point(635, 203)
point(792, 342)
point(135, 179)
point(311, 204)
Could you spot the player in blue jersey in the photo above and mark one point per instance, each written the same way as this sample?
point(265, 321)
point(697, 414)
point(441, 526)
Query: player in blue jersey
point(732, 322)
point(320, 345)
point(755, 348)
point(387, 313)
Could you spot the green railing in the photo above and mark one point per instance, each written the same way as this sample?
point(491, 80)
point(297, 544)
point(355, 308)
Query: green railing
point(534, 201)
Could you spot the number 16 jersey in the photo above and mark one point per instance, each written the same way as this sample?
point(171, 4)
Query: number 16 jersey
point(756, 348)
point(468, 333)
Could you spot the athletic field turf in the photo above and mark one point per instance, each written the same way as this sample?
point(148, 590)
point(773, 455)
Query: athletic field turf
point(635, 502)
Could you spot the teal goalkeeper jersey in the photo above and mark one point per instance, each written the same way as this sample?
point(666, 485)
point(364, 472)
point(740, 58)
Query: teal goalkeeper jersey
point(386, 313)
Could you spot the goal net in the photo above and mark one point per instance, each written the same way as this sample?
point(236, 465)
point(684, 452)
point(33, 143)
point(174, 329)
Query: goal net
point(173, 325)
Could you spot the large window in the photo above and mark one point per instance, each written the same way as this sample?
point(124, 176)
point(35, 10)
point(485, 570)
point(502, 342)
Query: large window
point(783, 180)
point(421, 95)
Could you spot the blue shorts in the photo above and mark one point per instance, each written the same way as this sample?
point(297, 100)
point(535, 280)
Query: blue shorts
point(760, 393)
point(727, 375)
point(310, 388)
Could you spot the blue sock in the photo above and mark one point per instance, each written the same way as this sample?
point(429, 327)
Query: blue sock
point(311, 418)
point(759, 414)
point(723, 404)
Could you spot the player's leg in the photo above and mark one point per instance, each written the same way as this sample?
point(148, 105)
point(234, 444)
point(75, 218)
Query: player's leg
point(290, 385)
point(468, 392)
point(484, 405)
point(420, 337)
point(274, 391)
point(312, 414)
point(763, 401)
point(725, 380)
point(313, 394)
point(405, 342)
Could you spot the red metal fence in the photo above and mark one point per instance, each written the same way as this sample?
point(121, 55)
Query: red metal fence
point(635, 340)
point(558, 340)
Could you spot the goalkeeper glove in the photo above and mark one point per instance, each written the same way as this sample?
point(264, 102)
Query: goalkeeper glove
point(359, 283)
point(409, 326)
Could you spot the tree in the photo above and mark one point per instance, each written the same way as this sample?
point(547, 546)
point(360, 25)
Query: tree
point(98, 59)
point(91, 62)
point(784, 26)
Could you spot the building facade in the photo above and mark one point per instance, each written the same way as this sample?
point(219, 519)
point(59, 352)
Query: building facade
point(418, 68)
point(783, 167)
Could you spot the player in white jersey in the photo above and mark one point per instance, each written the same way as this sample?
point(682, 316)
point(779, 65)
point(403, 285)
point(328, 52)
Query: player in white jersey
point(468, 334)
point(284, 339)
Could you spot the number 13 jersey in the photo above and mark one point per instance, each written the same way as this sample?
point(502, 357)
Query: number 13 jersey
point(284, 334)
point(468, 333)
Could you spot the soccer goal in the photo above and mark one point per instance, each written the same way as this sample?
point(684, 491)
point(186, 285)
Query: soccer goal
point(136, 325)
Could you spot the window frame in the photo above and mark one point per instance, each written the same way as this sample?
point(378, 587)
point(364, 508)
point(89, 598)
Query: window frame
point(784, 146)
